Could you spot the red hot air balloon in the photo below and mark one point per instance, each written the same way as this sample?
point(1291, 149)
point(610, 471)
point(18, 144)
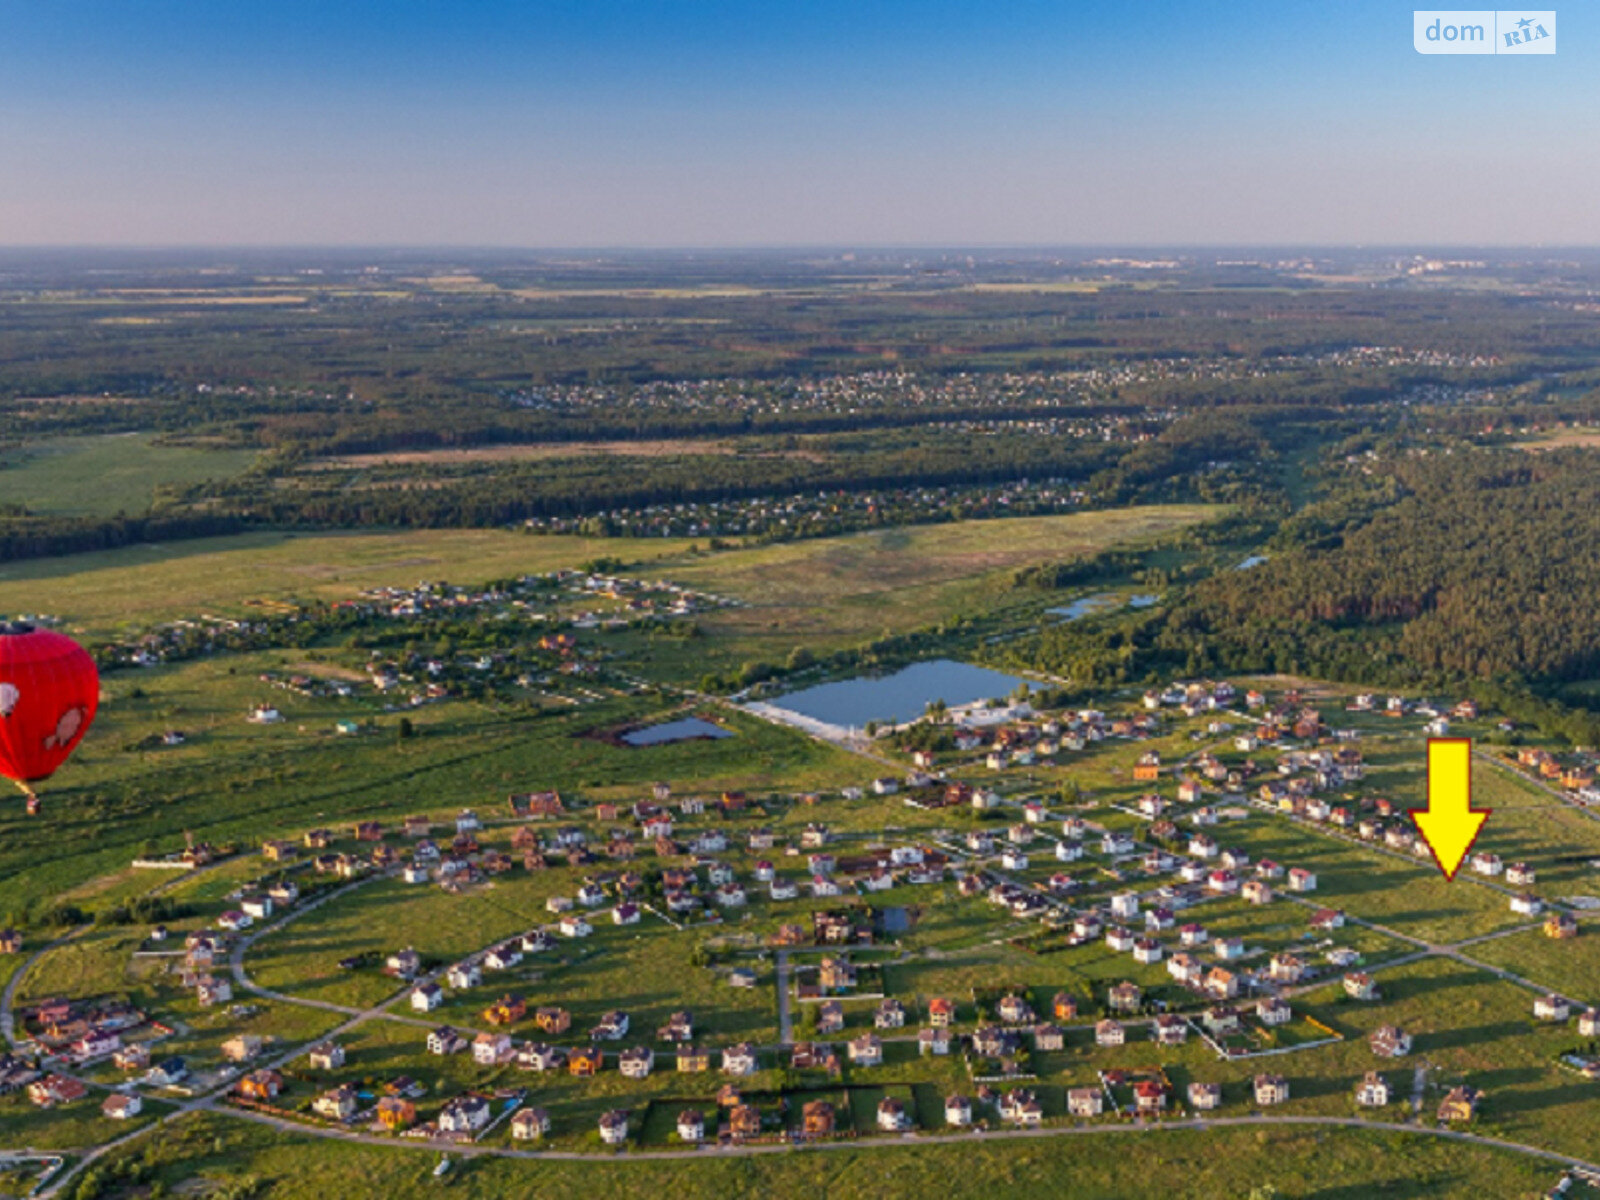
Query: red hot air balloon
point(49, 690)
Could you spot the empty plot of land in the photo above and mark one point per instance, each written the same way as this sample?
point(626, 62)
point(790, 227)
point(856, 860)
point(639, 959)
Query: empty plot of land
point(892, 560)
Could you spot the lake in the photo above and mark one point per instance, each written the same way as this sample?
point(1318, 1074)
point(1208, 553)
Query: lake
point(1100, 602)
point(900, 697)
point(675, 731)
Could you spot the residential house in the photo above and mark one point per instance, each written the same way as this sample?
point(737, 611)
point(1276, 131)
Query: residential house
point(1125, 997)
point(464, 1114)
point(817, 1118)
point(1461, 1104)
point(1021, 1107)
point(1170, 1030)
point(263, 1085)
point(54, 1090)
point(1271, 1089)
point(866, 1051)
point(337, 1104)
point(1551, 1008)
point(1527, 904)
point(1358, 985)
point(445, 1040)
point(637, 1062)
point(1221, 984)
point(507, 1010)
point(893, 1116)
point(492, 1049)
point(1085, 1102)
point(530, 1124)
point(326, 1056)
point(1390, 1041)
point(1273, 1010)
point(693, 1059)
point(1561, 925)
point(585, 1061)
point(1149, 1096)
point(1372, 1091)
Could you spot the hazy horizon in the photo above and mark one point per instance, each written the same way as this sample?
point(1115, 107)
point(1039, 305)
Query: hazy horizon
point(717, 126)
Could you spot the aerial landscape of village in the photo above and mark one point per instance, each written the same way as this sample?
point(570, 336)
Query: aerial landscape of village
point(959, 653)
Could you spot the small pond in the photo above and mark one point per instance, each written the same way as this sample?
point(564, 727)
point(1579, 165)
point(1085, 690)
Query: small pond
point(902, 696)
point(675, 731)
point(1100, 602)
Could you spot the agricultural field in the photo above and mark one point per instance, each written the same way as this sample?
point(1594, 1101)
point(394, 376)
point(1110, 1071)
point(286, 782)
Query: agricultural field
point(105, 592)
point(828, 592)
point(108, 474)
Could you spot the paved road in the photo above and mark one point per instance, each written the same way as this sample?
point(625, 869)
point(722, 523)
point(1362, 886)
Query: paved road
point(785, 1021)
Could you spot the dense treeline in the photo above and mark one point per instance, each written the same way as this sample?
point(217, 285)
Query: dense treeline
point(1485, 567)
point(475, 425)
point(1472, 568)
point(45, 537)
point(518, 491)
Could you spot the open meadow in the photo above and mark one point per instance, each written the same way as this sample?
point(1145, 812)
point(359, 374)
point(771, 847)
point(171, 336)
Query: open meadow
point(107, 474)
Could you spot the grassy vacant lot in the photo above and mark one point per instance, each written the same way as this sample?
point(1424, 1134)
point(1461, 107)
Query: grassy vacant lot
point(836, 593)
point(106, 474)
point(1398, 892)
point(100, 592)
point(77, 1125)
point(897, 578)
point(1468, 1026)
point(1569, 967)
point(1529, 825)
point(1307, 1163)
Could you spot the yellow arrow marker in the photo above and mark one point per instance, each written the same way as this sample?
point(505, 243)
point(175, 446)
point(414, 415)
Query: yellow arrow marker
point(1450, 824)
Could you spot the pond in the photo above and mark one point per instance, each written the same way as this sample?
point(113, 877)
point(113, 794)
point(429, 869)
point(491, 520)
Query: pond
point(1100, 602)
point(903, 696)
point(675, 731)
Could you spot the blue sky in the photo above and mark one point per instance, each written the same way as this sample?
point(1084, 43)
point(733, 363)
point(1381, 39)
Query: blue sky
point(709, 123)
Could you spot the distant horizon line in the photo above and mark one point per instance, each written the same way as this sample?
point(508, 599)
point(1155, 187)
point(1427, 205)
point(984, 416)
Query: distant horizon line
point(841, 247)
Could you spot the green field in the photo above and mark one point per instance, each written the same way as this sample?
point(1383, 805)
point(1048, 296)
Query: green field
point(101, 476)
point(106, 591)
point(832, 590)
point(1320, 1163)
